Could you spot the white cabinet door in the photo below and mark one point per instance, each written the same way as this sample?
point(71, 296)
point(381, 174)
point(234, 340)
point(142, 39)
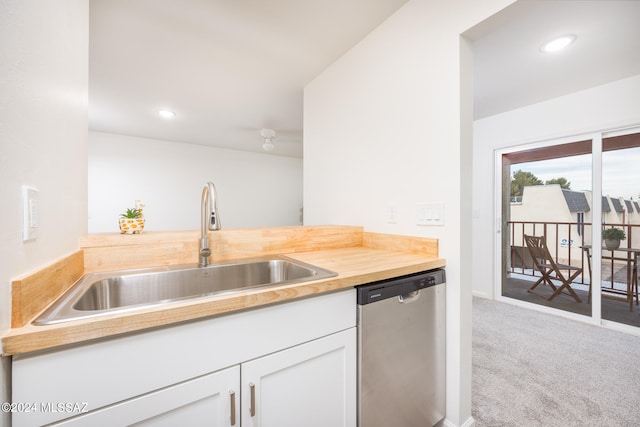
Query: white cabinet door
point(210, 400)
point(311, 385)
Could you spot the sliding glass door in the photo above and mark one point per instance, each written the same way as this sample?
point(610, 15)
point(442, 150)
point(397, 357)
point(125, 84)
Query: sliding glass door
point(546, 224)
point(621, 218)
point(555, 200)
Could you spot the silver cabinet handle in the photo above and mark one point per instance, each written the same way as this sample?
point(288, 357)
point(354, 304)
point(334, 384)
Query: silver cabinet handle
point(252, 407)
point(232, 399)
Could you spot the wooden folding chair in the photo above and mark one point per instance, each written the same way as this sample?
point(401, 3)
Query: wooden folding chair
point(550, 270)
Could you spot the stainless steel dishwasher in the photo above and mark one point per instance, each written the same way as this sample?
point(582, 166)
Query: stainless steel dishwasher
point(401, 351)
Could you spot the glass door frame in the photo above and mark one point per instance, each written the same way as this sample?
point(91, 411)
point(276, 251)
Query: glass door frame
point(501, 215)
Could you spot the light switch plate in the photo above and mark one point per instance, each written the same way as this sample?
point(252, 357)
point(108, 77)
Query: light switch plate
point(430, 213)
point(31, 212)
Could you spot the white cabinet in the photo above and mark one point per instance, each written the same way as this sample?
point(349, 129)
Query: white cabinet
point(311, 385)
point(300, 356)
point(211, 400)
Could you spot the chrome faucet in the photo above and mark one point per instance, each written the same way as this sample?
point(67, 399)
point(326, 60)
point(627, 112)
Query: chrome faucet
point(209, 219)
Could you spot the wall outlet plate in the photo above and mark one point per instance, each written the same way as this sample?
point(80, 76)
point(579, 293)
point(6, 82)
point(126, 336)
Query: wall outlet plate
point(392, 214)
point(430, 213)
point(31, 212)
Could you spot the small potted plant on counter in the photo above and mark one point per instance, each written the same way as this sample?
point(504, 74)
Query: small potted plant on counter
point(132, 221)
point(612, 237)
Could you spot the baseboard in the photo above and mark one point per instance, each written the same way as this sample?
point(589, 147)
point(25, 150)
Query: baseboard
point(469, 423)
point(481, 295)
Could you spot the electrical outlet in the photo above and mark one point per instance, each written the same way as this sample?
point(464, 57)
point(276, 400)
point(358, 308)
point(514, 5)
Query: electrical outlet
point(392, 214)
point(31, 212)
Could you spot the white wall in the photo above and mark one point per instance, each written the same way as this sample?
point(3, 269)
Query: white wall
point(253, 189)
point(389, 124)
point(43, 135)
point(601, 108)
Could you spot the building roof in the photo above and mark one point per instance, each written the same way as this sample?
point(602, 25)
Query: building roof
point(576, 201)
point(606, 207)
point(629, 205)
point(617, 205)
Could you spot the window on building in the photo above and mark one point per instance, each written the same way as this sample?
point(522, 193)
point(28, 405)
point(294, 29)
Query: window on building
point(580, 223)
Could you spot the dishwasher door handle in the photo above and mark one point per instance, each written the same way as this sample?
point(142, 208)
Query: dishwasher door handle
point(409, 297)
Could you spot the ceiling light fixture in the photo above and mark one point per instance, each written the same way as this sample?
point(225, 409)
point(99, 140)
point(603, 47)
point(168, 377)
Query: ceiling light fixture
point(268, 135)
point(558, 43)
point(166, 114)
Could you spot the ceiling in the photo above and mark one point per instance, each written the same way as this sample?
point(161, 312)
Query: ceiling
point(510, 71)
point(228, 68)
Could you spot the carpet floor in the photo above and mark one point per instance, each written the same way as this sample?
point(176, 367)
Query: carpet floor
point(536, 369)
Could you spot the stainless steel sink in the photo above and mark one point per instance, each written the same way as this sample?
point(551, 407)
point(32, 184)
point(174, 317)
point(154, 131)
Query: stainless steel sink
point(99, 294)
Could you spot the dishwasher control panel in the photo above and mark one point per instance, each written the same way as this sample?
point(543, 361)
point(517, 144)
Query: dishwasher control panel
point(378, 291)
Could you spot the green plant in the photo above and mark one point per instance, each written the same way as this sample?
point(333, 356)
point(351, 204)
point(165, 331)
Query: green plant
point(132, 213)
point(613, 234)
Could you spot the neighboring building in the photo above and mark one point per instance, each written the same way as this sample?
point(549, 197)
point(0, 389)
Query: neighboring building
point(579, 208)
point(619, 210)
point(565, 217)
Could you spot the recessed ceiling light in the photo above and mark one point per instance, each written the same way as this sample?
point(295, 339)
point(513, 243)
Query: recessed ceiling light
point(166, 114)
point(558, 43)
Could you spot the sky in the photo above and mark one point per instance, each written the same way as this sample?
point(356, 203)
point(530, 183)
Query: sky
point(620, 172)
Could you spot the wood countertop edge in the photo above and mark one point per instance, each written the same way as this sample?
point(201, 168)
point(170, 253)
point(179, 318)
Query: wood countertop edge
point(30, 338)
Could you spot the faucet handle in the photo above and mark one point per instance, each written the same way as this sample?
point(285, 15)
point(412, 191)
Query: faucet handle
point(205, 252)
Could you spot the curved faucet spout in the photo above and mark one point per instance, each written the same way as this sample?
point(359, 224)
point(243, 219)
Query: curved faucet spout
point(209, 219)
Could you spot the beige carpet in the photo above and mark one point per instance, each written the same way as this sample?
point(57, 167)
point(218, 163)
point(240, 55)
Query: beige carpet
point(534, 369)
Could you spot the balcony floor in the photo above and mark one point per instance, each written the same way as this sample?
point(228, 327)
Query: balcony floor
point(614, 310)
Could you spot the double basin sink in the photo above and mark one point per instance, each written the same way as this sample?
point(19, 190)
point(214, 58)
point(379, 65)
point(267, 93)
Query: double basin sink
point(98, 294)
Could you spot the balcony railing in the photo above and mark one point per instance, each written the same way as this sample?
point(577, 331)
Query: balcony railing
point(566, 241)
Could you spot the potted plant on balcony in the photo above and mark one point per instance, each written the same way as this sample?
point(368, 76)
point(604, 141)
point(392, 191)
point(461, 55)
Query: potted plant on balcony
point(612, 237)
point(132, 221)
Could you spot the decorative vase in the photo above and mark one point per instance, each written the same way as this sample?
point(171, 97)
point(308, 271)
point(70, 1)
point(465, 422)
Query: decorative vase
point(612, 244)
point(131, 225)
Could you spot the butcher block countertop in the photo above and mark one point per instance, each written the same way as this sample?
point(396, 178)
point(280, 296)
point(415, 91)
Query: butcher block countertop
point(369, 258)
